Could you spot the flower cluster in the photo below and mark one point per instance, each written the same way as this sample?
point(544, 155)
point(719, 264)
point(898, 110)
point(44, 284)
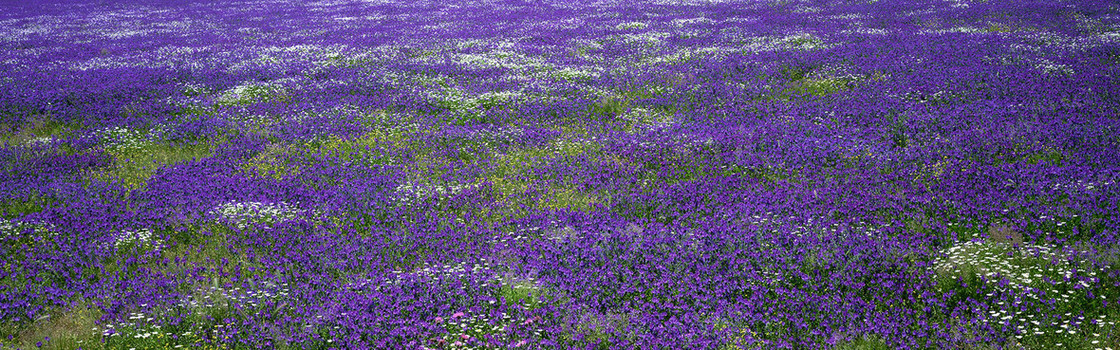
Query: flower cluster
point(243, 214)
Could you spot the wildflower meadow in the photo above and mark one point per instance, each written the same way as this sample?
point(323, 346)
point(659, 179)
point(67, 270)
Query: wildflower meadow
point(511, 174)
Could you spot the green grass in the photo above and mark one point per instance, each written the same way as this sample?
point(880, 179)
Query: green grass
point(379, 146)
point(463, 109)
point(252, 93)
point(271, 163)
point(36, 127)
point(133, 166)
point(12, 206)
point(740, 336)
point(864, 343)
point(67, 328)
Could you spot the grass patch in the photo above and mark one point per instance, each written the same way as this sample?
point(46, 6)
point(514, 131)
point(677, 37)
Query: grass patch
point(271, 163)
point(819, 87)
point(133, 166)
point(37, 128)
point(61, 328)
point(13, 205)
point(251, 93)
point(864, 343)
point(740, 337)
point(512, 175)
point(389, 134)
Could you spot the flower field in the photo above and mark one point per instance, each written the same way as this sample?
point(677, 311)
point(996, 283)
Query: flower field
point(508, 174)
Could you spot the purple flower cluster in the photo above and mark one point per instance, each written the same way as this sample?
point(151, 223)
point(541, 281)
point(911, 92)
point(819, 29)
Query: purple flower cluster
point(614, 174)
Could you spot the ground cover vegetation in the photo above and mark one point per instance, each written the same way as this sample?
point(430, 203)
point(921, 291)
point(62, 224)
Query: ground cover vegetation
point(656, 174)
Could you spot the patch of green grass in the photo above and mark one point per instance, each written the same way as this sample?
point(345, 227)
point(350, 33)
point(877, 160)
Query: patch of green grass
point(576, 75)
point(802, 42)
point(15, 205)
point(608, 107)
point(820, 87)
point(930, 174)
point(271, 163)
point(594, 330)
point(66, 327)
point(1043, 154)
point(512, 175)
point(36, 128)
point(864, 343)
point(525, 293)
point(995, 27)
point(133, 166)
point(740, 336)
point(464, 109)
point(252, 93)
point(381, 145)
point(799, 84)
point(769, 174)
point(643, 117)
point(192, 109)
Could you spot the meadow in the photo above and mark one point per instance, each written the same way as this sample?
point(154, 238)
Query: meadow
point(509, 174)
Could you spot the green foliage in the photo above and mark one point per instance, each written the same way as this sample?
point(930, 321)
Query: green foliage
point(39, 128)
point(994, 27)
point(133, 166)
point(252, 93)
point(864, 343)
point(819, 87)
point(15, 205)
point(66, 327)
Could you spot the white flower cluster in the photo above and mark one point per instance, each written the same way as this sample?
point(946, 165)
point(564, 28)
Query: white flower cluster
point(685, 143)
point(10, 228)
point(193, 89)
point(40, 141)
point(631, 25)
point(1024, 267)
point(488, 274)
point(1028, 323)
point(471, 326)
point(463, 103)
point(140, 325)
point(132, 325)
point(1082, 185)
point(800, 227)
point(208, 298)
point(688, 54)
point(429, 272)
point(492, 138)
point(499, 59)
point(249, 92)
point(578, 73)
point(243, 214)
point(252, 120)
point(141, 237)
point(806, 9)
point(681, 22)
point(1049, 67)
point(799, 41)
point(648, 38)
point(643, 120)
point(410, 194)
point(120, 138)
point(867, 31)
point(551, 232)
